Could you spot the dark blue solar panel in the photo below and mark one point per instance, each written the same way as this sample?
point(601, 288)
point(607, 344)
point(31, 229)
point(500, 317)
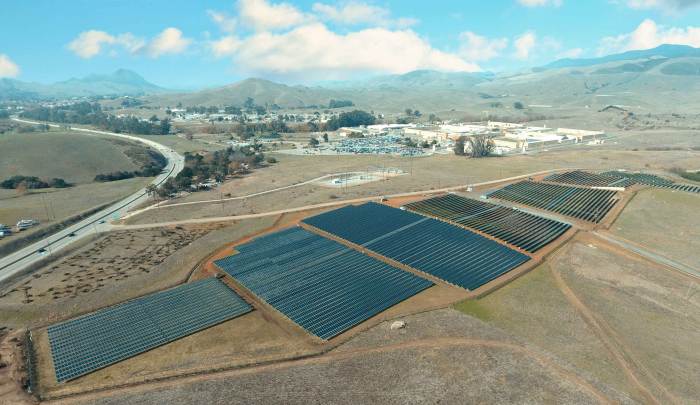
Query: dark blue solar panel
point(85, 344)
point(448, 252)
point(323, 286)
point(363, 223)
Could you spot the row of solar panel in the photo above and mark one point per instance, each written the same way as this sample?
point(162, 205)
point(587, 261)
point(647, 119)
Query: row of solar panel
point(582, 178)
point(581, 203)
point(527, 231)
point(322, 285)
point(655, 181)
point(453, 254)
point(82, 345)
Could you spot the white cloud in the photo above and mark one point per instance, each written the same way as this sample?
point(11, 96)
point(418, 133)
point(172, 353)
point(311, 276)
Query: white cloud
point(650, 35)
point(170, 41)
point(571, 53)
point(8, 68)
point(540, 3)
point(313, 51)
point(478, 48)
point(262, 15)
point(225, 23)
point(664, 5)
point(357, 13)
point(524, 45)
point(225, 46)
point(92, 43)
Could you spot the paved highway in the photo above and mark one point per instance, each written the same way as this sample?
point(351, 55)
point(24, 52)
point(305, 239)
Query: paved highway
point(98, 222)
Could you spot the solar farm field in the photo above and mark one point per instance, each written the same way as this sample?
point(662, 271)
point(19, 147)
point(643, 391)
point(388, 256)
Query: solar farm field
point(655, 181)
point(581, 178)
point(580, 203)
point(85, 344)
point(527, 231)
point(320, 284)
point(448, 252)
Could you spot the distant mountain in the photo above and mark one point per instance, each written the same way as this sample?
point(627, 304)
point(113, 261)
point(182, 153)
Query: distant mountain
point(120, 83)
point(662, 51)
point(419, 78)
point(263, 92)
point(417, 89)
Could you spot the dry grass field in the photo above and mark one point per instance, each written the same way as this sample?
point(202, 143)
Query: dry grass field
point(611, 315)
point(663, 221)
point(73, 157)
point(423, 174)
point(440, 357)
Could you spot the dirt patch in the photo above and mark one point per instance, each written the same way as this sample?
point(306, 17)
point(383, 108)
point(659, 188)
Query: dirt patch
point(13, 372)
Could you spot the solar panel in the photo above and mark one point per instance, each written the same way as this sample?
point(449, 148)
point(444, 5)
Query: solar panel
point(448, 252)
point(323, 286)
point(363, 223)
point(581, 203)
point(656, 181)
point(581, 178)
point(527, 231)
point(82, 345)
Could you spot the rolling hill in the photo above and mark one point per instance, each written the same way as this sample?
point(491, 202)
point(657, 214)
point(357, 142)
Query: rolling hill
point(661, 79)
point(121, 82)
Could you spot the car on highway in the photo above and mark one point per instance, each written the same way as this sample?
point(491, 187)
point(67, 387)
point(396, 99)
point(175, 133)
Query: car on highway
point(41, 251)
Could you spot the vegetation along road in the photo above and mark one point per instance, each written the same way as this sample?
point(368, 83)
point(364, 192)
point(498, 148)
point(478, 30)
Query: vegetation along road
point(98, 222)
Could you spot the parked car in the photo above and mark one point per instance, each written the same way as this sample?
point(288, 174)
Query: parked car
point(23, 224)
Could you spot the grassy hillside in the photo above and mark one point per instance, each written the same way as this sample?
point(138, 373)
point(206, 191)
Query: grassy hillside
point(75, 158)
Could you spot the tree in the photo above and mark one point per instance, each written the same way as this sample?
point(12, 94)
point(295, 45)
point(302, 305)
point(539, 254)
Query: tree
point(518, 105)
point(480, 145)
point(459, 146)
point(249, 103)
point(325, 137)
point(432, 118)
point(153, 118)
point(151, 190)
point(350, 119)
point(409, 112)
point(313, 142)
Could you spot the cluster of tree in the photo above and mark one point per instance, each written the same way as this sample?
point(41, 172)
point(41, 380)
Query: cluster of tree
point(24, 129)
point(4, 114)
point(131, 102)
point(340, 103)
point(115, 176)
point(518, 105)
point(32, 182)
point(216, 165)
point(350, 119)
point(152, 163)
point(475, 146)
point(272, 129)
point(693, 176)
point(91, 114)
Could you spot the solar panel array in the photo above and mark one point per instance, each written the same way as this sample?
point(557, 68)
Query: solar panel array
point(581, 203)
point(320, 284)
point(527, 231)
point(655, 181)
point(641, 178)
point(448, 252)
point(581, 178)
point(82, 345)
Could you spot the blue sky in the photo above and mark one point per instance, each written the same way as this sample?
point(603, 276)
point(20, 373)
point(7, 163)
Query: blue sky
point(186, 44)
